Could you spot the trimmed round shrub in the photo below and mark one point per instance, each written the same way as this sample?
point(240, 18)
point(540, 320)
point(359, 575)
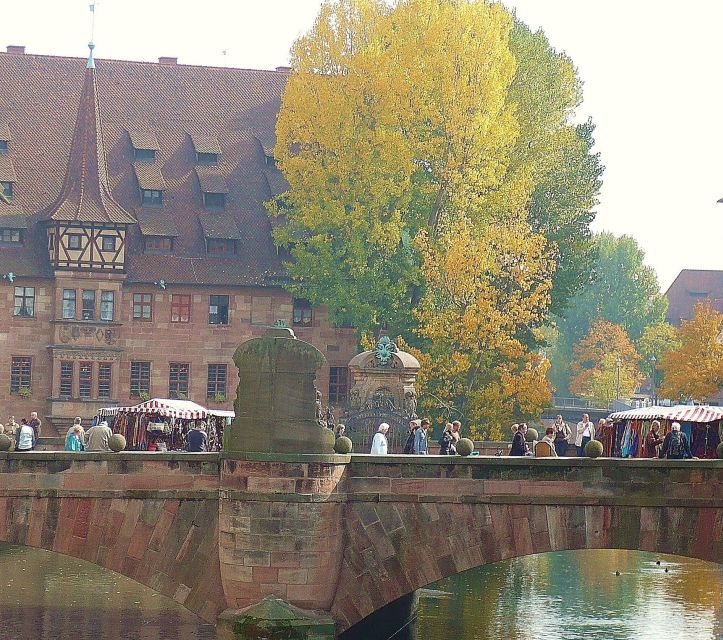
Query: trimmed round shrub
point(5, 442)
point(342, 445)
point(531, 435)
point(465, 447)
point(117, 442)
point(594, 449)
point(719, 450)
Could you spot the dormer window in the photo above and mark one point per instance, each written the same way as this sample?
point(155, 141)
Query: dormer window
point(151, 197)
point(270, 161)
point(7, 189)
point(220, 247)
point(214, 200)
point(11, 236)
point(207, 158)
point(144, 155)
point(158, 245)
point(3, 146)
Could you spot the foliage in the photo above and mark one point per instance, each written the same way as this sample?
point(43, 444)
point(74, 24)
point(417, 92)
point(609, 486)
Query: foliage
point(343, 445)
point(694, 371)
point(657, 340)
point(474, 318)
point(219, 397)
point(605, 364)
point(403, 122)
point(625, 292)
point(594, 449)
point(25, 392)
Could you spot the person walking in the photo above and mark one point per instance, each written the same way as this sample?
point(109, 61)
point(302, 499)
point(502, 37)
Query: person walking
point(652, 441)
point(74, 439)
point(77, 423)
point(25, 437)
point(379, 442)
point(584, 433)
point(519, 443)
point(562, 435)
point(97, 438)
point(445, 441)
point(197, 438)
point(675, 444)
point(421, 442)
point(409, 444)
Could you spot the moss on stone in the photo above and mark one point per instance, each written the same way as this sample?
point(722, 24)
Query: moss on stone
point(5, 442)
point(594, 449)
point(117, 442)
point(343, 445)
point(465, 447)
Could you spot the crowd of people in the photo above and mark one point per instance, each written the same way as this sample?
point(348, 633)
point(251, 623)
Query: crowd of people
point(24, 436)
point(557, 439)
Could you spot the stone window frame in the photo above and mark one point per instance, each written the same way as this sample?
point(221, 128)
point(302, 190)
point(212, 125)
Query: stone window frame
point(85, 380)
point(338, 384)
point(24, 302)
point(217, 379)
point(66, 310)
point(87, 304)
point(217, 313)
point(141, 303)
point(67, 373)
point(21, 373)
point(105, 379)
point(303, 313)
point(140, 378)
point(179, 379)
point(107, 301)
point(181, 308)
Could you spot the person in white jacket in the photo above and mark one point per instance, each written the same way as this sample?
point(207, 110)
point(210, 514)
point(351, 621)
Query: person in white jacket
point(379, 443)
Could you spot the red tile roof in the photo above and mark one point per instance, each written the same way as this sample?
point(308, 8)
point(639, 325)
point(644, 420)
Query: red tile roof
point(149, 176)
point(211, 180)
point(691, 287)
point(219, 226)
point(237, 107)
point(86, 194)
point(7, 170)
point(143, 139)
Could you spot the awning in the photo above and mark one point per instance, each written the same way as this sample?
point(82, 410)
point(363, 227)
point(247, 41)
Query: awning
point(681, 413)
point(184, 409)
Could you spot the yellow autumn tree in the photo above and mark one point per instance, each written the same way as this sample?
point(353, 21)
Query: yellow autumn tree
point(605, 364)
point(486, 288)
point(694, 371)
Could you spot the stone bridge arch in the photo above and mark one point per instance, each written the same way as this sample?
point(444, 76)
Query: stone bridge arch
point(399, 541)
point(164, 539)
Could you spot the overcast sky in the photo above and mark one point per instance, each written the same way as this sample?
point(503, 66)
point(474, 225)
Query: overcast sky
point(651, 68)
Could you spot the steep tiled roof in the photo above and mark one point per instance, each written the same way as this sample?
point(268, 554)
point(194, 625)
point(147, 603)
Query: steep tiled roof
point(7, 171)
point(211, 180)
point(143, 139)
point(149, 175)
point(219, 226)
point(237, 107)
point(86, 195)
point(691, 287)
point(205, 143)
point(4, 131)
point(155, 222)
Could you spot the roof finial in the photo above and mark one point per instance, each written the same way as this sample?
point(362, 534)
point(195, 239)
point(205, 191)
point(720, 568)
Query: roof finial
point(91, 46)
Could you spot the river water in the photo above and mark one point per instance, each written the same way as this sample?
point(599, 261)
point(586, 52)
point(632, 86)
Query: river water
point(554, 596)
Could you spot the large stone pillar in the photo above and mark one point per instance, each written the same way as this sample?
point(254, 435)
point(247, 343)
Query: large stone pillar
point(281, 498)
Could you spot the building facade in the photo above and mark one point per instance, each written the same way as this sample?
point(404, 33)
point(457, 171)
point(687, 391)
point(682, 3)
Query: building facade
point(136, 252)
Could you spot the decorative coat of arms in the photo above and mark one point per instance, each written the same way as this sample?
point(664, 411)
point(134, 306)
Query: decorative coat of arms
point(384, 350)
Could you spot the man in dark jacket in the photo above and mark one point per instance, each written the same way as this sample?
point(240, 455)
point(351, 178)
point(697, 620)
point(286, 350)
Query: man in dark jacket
point(519, 444)
point(675, 444)
point(196, 438)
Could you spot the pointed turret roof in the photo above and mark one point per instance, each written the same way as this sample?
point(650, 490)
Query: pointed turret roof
point(86, 195)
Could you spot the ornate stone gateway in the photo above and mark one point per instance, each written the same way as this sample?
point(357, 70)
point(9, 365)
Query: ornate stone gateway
point(382, 390)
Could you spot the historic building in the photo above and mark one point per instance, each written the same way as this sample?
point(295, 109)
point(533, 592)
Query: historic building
point(135, 248)
point(690, 287)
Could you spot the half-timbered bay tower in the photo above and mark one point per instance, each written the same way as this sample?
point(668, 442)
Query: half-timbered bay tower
point(135, 247)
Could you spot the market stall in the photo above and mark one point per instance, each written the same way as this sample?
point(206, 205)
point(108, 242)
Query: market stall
point(626, 434)
point(162, 424)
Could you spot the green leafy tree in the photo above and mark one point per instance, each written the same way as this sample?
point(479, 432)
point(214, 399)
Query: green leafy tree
point(625, 292)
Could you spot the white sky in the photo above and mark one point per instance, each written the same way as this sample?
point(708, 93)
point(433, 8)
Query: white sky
point(651, 68)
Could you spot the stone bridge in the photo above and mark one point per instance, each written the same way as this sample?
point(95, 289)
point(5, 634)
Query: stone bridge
point(344, 534)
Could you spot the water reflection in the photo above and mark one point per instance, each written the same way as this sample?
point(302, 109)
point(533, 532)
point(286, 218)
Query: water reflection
point(47, 595)
point(572, 595)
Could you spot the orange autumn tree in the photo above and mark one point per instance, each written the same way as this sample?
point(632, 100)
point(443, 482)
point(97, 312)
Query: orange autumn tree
point(487, 287)
point(605, 364)
point(694, 371)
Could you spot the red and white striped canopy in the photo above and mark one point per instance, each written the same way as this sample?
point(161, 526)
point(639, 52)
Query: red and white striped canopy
point(681, 413)
point(167, 408)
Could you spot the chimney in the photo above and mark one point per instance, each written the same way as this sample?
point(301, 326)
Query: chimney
point(14, 48)
point(167, 60)
point(283, 69)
